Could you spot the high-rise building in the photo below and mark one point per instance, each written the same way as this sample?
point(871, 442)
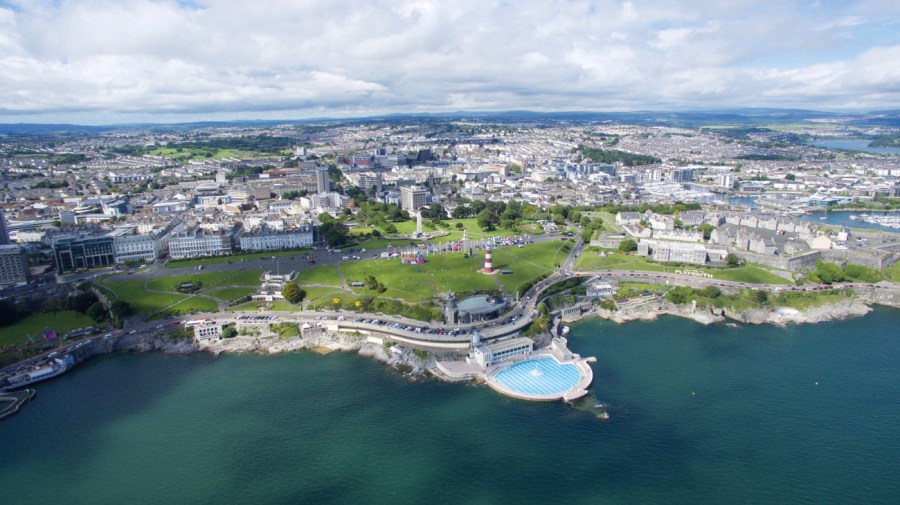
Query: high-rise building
point(726, 180)
point(412, 198)
point(322, 182)
point(84, 252)
point(4, 230)
point(682, 174)
point(13, 265)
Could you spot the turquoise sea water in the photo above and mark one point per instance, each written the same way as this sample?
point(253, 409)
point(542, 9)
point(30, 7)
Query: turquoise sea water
point(699, 415)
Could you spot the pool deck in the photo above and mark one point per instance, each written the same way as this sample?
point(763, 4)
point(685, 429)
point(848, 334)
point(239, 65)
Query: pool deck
point(461, 370)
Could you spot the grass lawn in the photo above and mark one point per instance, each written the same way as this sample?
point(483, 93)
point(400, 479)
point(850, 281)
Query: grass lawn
point(381, 243)
point(327, 302)
point(325, 275)
point(188, 153)
point(359, 230)
point(591, 260)
point(440, 273)
point(234, 258)
point(32, 326)
point(474, 232)
point(143, 303)
point(314, 293)
point(632, 289)
point(892, 273)
point(194, 304)
point(208, 279)
point(805, 300)
point(226, 294)
point(528, 262)
point(751, 274)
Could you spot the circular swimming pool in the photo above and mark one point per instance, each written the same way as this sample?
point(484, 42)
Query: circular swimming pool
point(539, 376)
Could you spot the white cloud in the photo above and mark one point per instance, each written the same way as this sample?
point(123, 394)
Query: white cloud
point(90, 59)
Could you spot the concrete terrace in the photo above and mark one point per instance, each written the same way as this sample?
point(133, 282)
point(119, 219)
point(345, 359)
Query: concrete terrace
point(557, 352)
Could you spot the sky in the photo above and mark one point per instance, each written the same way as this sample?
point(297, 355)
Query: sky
point(99, 61)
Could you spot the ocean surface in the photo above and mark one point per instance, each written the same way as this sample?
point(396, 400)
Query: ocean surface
point(855, 145)
point(718, 414)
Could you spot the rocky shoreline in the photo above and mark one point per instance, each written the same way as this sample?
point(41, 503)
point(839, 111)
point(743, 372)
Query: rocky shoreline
point(412, 365)
point(407, 362)
point(779, 316)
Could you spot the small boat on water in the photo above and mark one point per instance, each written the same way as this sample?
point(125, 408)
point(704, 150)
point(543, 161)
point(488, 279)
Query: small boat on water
point(823, 218)
point(603, 416)
point(599, 405)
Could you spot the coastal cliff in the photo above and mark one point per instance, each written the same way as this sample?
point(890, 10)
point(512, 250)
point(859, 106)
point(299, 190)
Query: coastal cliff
point(775, 315)
point(324, 343)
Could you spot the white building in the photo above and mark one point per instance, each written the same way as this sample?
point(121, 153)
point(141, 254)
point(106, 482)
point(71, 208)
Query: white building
point(598, 288)
point(272, 286)
point(263, 239)
point(129, 245)
point(489, 354)
point(207, 331)
point(196, 243)
point(412, 198)
point(673, 252)
point(726, 180)
point(172, 206)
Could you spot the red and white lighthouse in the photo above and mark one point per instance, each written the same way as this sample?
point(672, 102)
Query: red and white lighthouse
point(488, 267)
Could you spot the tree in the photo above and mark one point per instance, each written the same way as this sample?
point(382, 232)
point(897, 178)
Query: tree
point(434, 211)
point(120, 309)
point(484, 219)
point(97, 312)
point(790, 177)
point(761, 296)
point(292, 293)
point(707, 229)
point(628, 245)
point(461, 212)
point(82, 302)
point(229, 332)
point(334, 232)
point(711, 291)
point(732, 260)
point(829, 272)
point(608, 304)
point(680, 294)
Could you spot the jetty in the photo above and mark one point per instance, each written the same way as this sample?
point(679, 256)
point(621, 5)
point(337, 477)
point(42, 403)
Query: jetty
point(12, 401)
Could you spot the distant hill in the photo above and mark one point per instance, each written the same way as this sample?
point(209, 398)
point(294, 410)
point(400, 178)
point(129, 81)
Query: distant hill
point(689, 119)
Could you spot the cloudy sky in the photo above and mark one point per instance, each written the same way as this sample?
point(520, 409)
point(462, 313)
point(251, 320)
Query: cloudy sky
point(97, 61)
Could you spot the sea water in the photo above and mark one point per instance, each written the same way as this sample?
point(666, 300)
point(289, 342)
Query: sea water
point(699, 414)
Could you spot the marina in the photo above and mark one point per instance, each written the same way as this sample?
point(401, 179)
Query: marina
point(887, 220)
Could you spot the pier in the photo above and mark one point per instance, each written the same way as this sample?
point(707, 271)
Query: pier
point(12, 401)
